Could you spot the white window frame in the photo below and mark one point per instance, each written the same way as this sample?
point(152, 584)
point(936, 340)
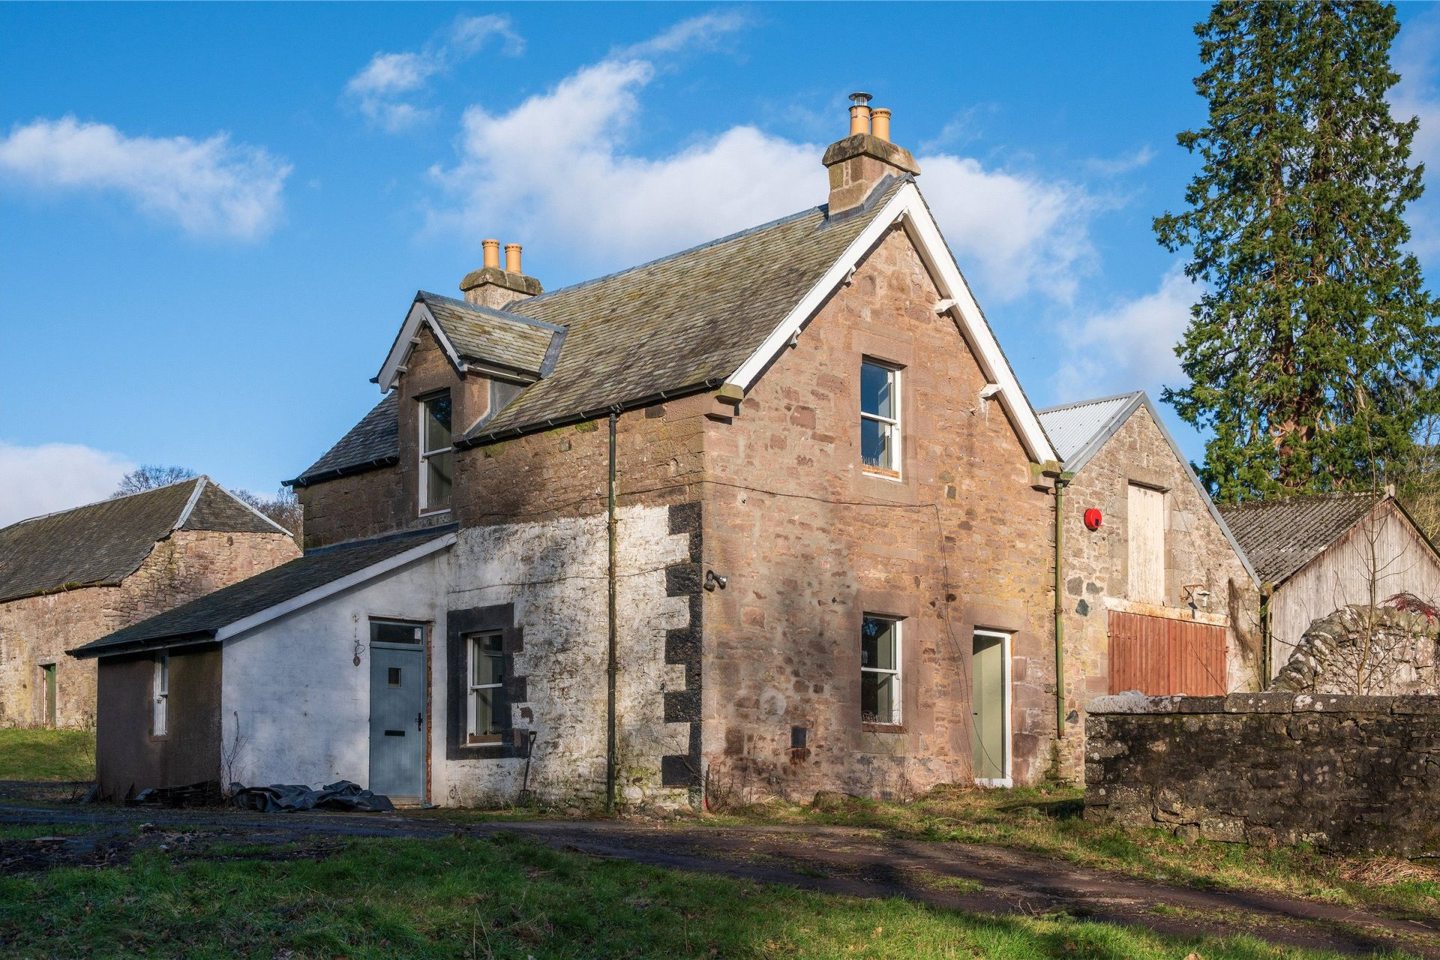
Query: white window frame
point(422, 412)
point(160, 690)
point(897, 714)
point(1005, 639)
point(891, 471)
point(472, 689)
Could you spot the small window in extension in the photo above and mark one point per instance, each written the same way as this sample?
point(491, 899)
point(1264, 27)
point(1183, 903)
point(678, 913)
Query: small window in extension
point(880, 670)
point(160, 719)
point(880, 417)
point(437, 455)
point(489, 705)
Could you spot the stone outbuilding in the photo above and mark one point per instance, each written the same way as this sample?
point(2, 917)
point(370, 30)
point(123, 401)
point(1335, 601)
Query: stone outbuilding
point(767, 516)
point(71, 577)
point(1320, 554)
point(1155, 593)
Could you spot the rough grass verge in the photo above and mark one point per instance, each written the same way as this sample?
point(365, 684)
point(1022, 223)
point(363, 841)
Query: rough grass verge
point(512, 898)
point(41, 753)
point(1050, 820)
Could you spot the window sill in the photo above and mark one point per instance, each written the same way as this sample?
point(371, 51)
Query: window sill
point(434, 513)
point(869, 727)
point(880, 473)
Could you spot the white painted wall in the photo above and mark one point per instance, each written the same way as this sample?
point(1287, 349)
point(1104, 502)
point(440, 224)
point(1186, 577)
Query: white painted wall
point(554, 573)
point(1382, 551)
point(292, 693)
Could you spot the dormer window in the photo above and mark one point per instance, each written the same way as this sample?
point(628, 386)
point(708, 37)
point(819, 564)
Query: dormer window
point(437, 454)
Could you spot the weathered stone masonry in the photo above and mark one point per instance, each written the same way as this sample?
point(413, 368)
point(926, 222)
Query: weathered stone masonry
point(37, 630)
point(1342, 773)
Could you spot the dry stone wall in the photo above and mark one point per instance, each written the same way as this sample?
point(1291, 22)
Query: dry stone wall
point(1351, 774)
point(1364, 650)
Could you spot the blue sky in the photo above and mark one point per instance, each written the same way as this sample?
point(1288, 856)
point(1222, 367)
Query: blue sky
point(213, 218)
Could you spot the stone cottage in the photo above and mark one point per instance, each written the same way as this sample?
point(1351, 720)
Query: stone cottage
point(1317, 555)
point(769, 515)
point(1155, 593)
point(71, 577)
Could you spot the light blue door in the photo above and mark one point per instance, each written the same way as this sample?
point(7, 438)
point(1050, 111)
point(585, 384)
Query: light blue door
point(397, 721)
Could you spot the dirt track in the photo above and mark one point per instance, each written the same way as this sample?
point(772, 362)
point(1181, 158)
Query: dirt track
point(864, 863)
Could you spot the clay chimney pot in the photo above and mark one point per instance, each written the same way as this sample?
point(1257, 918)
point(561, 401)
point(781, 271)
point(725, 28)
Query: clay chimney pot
point(512, 258)
point(492, 254)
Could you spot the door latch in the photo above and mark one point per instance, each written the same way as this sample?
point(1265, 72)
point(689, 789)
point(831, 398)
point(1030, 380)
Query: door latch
point(419, 721)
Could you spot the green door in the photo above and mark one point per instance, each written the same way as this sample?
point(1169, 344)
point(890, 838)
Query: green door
point(49, 670)
point(988, 705)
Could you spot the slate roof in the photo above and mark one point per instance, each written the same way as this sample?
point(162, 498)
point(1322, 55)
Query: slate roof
point(1281, 536)
point(499, 337)
point(201, 619)
point(373, 442)
point(675, 325)
point(1079, 430)
point(101, 544)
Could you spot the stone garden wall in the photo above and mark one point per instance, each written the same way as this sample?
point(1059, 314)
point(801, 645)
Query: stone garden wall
point(1350, 774)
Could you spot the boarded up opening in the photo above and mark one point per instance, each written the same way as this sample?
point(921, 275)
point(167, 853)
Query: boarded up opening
point(1146, 523)
point(1162, 657)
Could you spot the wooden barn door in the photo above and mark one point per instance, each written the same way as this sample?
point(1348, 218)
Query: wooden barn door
point(1163, 657)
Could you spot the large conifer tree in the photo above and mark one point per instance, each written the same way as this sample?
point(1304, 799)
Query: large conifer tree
point(1314, 349)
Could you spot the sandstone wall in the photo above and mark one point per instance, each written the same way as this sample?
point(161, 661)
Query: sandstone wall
point(1096, 574)
point(1343, 773)
point(810, 543)
point(38, 630)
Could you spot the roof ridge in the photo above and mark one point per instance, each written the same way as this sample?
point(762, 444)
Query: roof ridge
point(1294, 498)
point(96, 503)
point(727, 238)
point(1085, 403)
point(490, 311)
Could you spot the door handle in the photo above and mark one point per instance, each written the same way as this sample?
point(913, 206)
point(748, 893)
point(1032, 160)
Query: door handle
point(419, 721)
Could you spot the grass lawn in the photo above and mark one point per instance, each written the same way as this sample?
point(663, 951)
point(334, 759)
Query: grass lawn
point(38, 753)
point(1051, 821)
point(507, 897)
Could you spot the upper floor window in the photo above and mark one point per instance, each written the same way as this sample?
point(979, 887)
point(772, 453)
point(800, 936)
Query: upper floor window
point(880, 417)
point(437, 455)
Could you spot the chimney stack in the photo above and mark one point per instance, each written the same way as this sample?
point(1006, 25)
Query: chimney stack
point(864, 158)
point(495, 288)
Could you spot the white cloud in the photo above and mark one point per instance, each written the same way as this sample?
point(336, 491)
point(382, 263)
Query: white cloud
point(1130, 346)
point(702, 32)
point(207, 187)
point(385, 88)
point(1125, 163)
point(55, 476)
point(557, 172)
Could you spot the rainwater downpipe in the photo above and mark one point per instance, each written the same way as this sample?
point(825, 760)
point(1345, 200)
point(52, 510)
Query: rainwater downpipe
point(611, 665)
point(1061, 480)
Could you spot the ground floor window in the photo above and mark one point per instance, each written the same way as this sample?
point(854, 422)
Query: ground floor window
point(880, 670)
point(489, 705)
point(161, 688)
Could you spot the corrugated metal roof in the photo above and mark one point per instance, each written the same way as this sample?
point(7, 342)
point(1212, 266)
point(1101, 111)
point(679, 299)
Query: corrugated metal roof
point(1077, 430)
point(1281, 536)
